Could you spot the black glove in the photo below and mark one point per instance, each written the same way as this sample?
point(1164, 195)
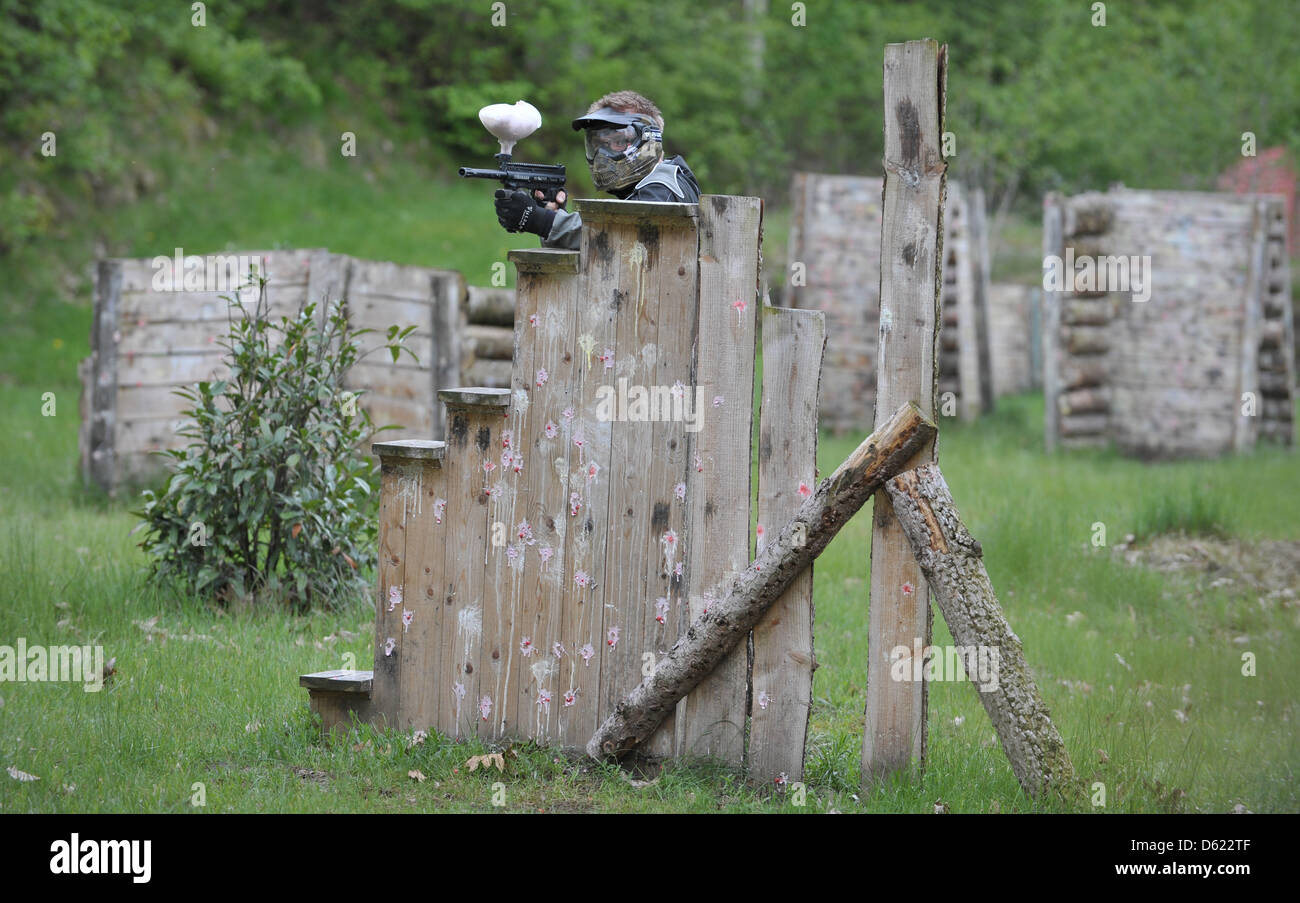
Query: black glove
point(517, 212)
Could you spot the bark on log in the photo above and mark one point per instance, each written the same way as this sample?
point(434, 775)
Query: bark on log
point(954, 569)
point(490, 306)
point(726, 623)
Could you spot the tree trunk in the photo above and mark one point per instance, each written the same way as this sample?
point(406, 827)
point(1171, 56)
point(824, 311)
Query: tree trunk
point(951, 560)
point(726, 622)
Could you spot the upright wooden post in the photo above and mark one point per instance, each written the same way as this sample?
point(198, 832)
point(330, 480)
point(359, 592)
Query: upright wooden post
point(793, 344)
point(911, 256)
point(1050, 319)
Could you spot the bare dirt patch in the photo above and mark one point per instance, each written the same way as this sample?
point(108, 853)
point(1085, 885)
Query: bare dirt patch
point(1269, 569)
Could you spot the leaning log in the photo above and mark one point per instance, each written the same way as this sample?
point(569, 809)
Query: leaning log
point(952, 562)
point(726, 623)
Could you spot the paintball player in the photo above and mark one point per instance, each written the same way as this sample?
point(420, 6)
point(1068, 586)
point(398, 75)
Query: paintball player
point(624, 144)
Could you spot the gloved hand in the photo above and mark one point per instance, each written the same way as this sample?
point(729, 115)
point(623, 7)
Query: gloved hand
point(519, 213)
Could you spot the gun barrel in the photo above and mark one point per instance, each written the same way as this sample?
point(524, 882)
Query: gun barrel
point(470, 172)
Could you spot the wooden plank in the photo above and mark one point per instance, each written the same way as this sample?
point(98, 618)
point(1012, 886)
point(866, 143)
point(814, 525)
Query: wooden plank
point(968, 354)
point(718, 524)
point(911, 242)
point(448, 326)
point(981, 273)
point(1246, 427)
point(793, 346)
point(102, 434)
point(654, 515)
point(471, 447)
point(490, 306)
point(601, 293)
point(392, 280)
point(281, 268)
point(397, 477)
point(422, 697)
point(1050, 315)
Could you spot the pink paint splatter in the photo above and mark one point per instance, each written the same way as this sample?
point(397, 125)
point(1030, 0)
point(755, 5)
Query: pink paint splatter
point(709, 599)
point(587, 651)
point(558, 650)
point(407, 617)
point(575, 504)
point(389, 645)
point(545, 553)
point(488, 467)
point(677, 569)
point(804, 490)
point(607, 358)
point(458, 690)
point(678, 391)
point(764, 699)
point(661, 609)
point(570, 698)
point(507, 458)
point(908, 589)
point(517, 464)
point(439, 509)
point(525, 532)
point(680, 491)
point(699, 465)
point(532, 319)
point(567, 413)
point(485, 707)
point(544, 700)
point(493, 492)
point(394, 597)
point(582, 578)
point(592, 469)
point(760, 534)
point(579, 442)
point(782, 780)
point(551, 430)
point(512, 554)
point(526, 646)
point(542, 377)
point(611, 637)
point(739, 307)
point(507, 437)
point(718, 401)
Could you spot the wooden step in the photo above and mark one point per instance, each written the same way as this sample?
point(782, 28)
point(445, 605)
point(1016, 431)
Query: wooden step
point(335, 695)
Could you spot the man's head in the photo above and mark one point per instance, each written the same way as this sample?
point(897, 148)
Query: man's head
point(624, 140)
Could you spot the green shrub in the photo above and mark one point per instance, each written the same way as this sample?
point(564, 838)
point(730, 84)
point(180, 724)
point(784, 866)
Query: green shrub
point(273, 500)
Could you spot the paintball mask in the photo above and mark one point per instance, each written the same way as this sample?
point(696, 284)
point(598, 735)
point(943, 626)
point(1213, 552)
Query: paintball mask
point(622, 148)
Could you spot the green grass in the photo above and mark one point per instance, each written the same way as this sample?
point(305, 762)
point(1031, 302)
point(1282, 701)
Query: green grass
point(205, 697)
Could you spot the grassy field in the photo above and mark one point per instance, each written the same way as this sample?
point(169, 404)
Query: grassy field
point(1141, 668)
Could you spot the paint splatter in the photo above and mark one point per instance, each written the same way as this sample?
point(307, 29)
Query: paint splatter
point(507, 438)
point(680, 491)
point(507, 458)
point(532, 319)
point(525, 532)
point(764, 699)
point(551, 430)
point(439, 509)
point(709, 600)
point(678, 391)
point(587, 343)
point(575, 504)
point(804, 490)
point(557, 650)
point(699, 465)
point(582, 578)
point(512, 556)
point(718, 401)
point(607, 358)
point(485, 707)
point(739, 307)
point(587, 651)
point(908, 589)
point(782, 780)
point(761, 536)
point(592, 469)
point(389, 645)
point(517, 464)
point(494, 492)
point(579, 442)
point(677, 569)
point(544, 700)
point(488, 467)
point(611, 637)
point(407, 617)
point(526, 646)
point(567, 413)
point(542, 377)
point(458, 690)
point(394, 597)
point(545, 553)
point(661, 609)
point(570, 698)
point(669, 542)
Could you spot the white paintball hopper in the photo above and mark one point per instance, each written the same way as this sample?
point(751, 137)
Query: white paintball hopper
point(510, 122)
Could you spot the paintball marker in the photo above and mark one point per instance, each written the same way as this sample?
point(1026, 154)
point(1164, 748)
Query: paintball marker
point(510, 123)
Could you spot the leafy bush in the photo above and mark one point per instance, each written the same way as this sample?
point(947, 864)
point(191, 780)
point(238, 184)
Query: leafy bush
point(273, 500)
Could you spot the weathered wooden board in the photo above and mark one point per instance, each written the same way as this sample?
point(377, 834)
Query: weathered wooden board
point(718, 525)
point(782, 669)
point(911, 243)
point(394, 510)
